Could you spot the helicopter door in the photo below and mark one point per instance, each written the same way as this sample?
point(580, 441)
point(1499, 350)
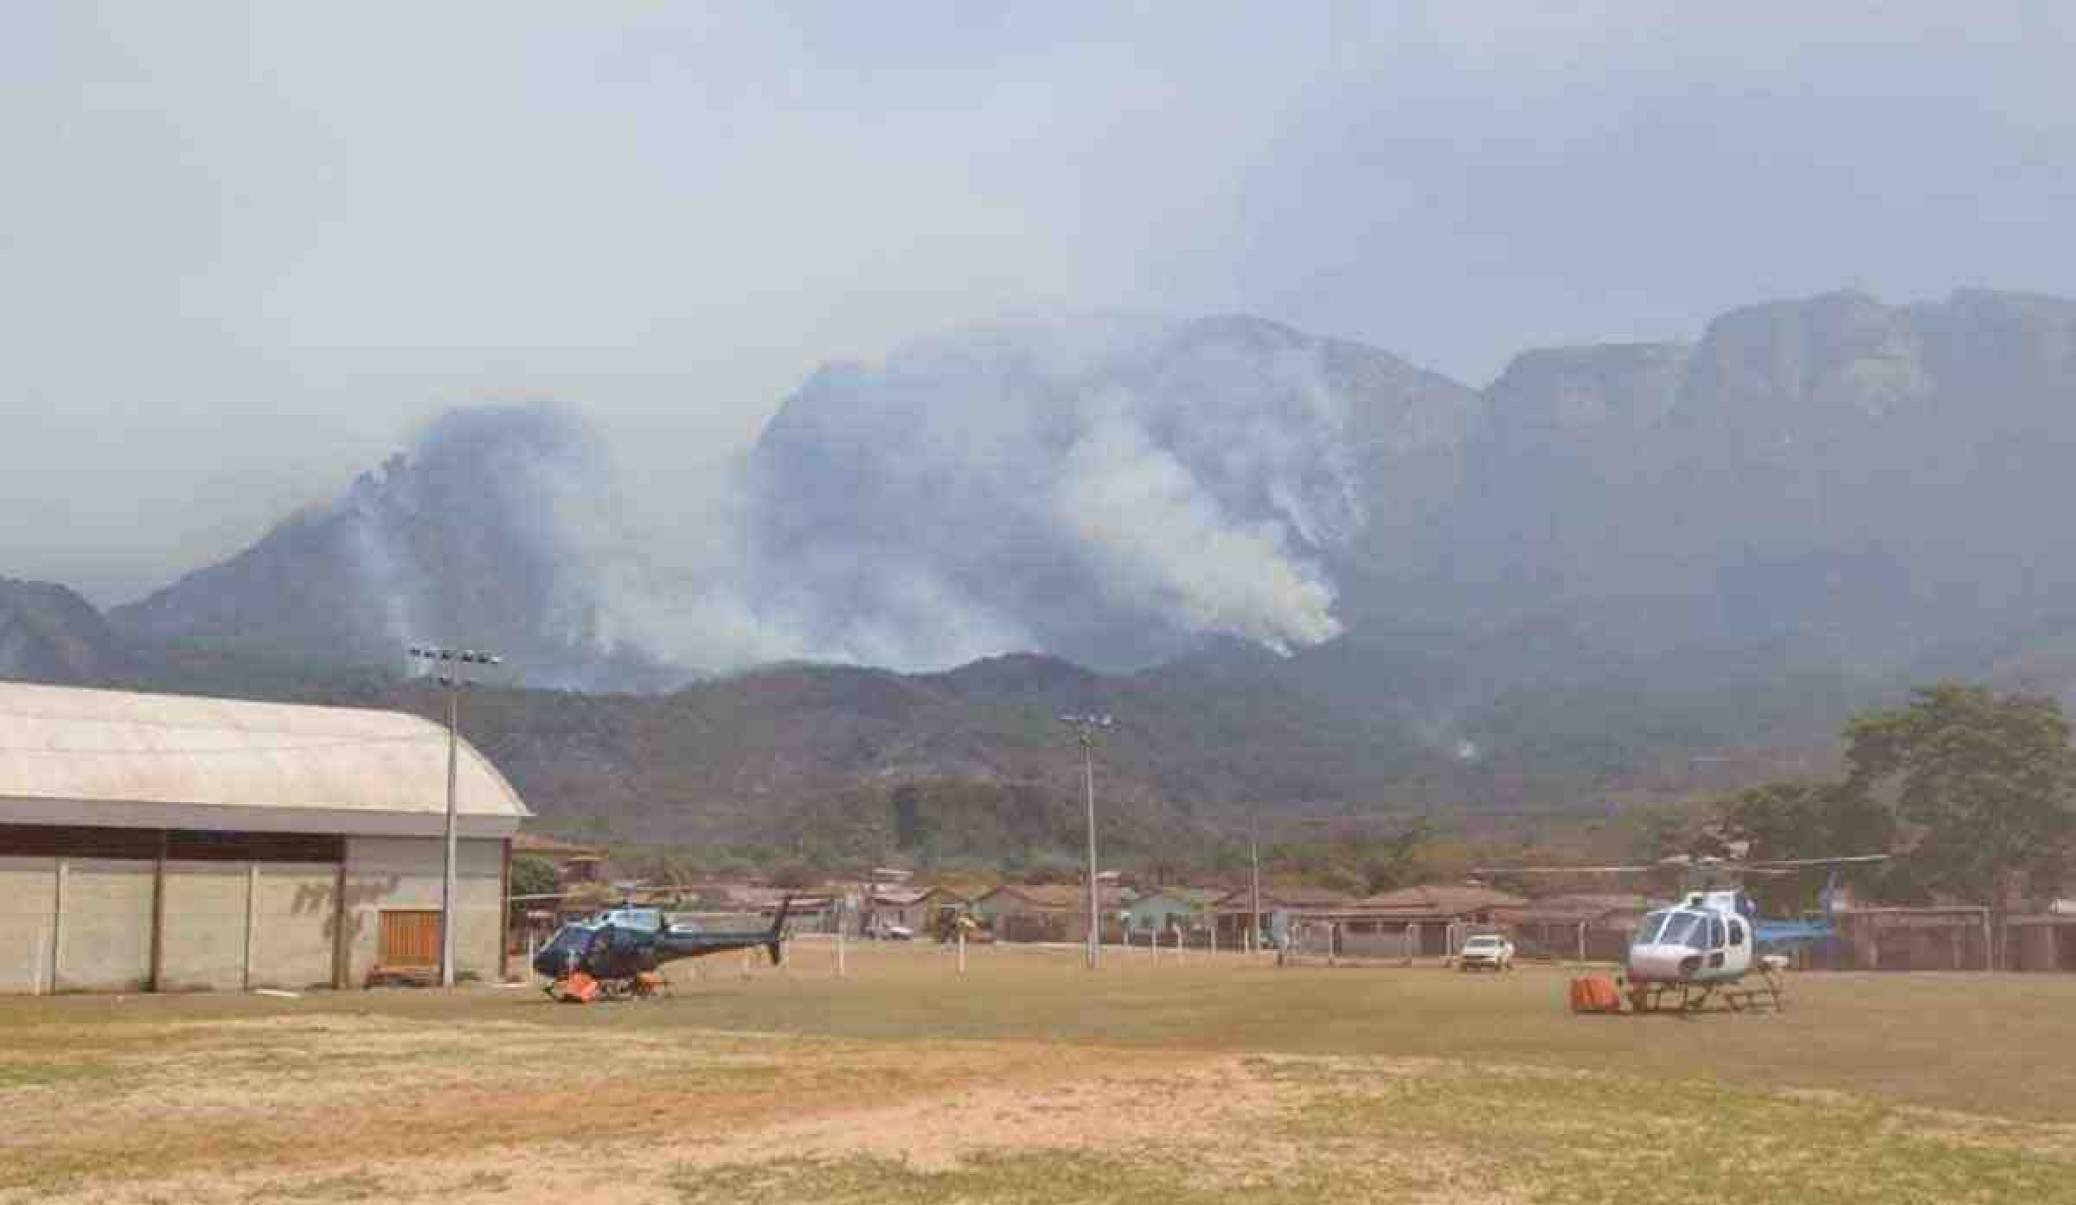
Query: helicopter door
point(1740, 954)
point(1716, 941)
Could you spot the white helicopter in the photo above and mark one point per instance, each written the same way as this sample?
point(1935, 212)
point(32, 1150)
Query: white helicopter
point(1705, 946)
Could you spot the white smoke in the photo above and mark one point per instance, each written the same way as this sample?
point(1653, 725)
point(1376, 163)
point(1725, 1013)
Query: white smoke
point(1111, 491)
point(1162, 545)
point(386, 583)
point(1107, 491)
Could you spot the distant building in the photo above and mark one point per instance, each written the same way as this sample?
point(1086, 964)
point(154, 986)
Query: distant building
point(1430, 919)
point(1046, 911)
point(1166, 909)
point(911, 908)
point(1594, 927)
point(156, 842)
point(1279, 908)
point(574, 864)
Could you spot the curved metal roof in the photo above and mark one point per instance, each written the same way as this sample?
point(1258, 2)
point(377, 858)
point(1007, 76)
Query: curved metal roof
point(77, 756)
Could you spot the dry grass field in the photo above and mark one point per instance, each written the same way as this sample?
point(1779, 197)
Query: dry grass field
point(1029, 1080)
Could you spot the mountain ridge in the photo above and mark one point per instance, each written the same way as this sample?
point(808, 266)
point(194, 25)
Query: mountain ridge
point(1324, 572)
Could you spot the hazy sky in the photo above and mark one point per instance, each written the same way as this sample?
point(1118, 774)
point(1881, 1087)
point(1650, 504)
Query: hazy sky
point(243, 252)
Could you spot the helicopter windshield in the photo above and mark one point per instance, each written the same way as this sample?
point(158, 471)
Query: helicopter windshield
point(1647, 932)
point(570, 939)
point(1685, 929)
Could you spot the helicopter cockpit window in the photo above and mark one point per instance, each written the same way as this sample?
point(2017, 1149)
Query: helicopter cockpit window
point(1685, 929)
point(1737, 933)
point(1647, 931)
point(1715, 932)
point(569, 939)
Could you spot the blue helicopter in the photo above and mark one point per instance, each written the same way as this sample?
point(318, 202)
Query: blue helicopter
point(619, 953)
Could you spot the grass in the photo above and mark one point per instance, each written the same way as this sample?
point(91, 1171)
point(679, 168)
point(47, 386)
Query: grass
point(1010, 1179)
point(2002, 1044)
point(1584, 1138)
point(1030, 1079)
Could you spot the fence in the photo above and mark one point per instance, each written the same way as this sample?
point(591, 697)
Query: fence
point(1359, 942)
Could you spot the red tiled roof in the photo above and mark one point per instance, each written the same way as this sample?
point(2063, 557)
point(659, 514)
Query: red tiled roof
point(1059, 897)
point(1575, 907)
point(1273, 898)
point(902, 897)
point(1440, 899)
point(530, 843)
point(1201, 897)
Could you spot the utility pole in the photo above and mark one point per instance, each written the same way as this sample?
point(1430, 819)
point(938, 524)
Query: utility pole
point(452, 669)
point(1085, 728)
point(1254, 870)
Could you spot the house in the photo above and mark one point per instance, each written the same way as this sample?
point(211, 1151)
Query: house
point(1167, 909)
point(574, 864)
point(1460, 902)
point(1430, 919)
point(1583, 927)
point(1045, 911)
point(911, 908)
point(811, 911)
point(1278, 908)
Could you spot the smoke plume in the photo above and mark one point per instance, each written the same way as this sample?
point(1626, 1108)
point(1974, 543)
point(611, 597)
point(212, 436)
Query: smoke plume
point(1113, 491)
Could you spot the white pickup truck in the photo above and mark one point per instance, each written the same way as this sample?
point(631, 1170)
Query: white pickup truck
point(1486, 952)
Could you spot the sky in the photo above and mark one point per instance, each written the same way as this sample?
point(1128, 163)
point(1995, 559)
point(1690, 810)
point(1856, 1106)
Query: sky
point(246, 251)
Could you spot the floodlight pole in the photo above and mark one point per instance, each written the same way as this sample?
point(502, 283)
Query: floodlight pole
point(453, 665)
point(1085, 727)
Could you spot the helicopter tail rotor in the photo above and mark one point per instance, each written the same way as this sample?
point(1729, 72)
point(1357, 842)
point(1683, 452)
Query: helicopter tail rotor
point(774, 945)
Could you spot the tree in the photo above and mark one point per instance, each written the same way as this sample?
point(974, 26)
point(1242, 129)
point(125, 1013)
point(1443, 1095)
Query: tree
point(911, 827)
point(1050, 866)
point(1662, 831)
point(1987, 784)
point(1396, 860)
point(1803, 820)
point(1806, 820)
point(534, 875)
point(794, 875)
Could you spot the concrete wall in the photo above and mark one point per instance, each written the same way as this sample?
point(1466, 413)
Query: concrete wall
point(233, 925)
point(28, 900)
point(104, 930)
point(205, 926)
point(405, 872)
point(293, 925)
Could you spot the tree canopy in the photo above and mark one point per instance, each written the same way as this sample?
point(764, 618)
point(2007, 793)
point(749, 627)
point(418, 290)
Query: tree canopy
point(1984, 785)
point(1974, 790)
point(533, 875)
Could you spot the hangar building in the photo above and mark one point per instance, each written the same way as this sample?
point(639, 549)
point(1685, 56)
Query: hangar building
point(158, 842)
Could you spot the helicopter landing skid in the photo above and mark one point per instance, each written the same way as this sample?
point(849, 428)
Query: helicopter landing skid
point(580, 988)
point(1690, 998)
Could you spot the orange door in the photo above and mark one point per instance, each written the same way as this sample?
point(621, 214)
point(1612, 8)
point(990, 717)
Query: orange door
point(410, 937)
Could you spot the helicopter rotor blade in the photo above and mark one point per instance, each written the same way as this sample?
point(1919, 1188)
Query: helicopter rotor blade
point(1498, 870)
point(1758, 866)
